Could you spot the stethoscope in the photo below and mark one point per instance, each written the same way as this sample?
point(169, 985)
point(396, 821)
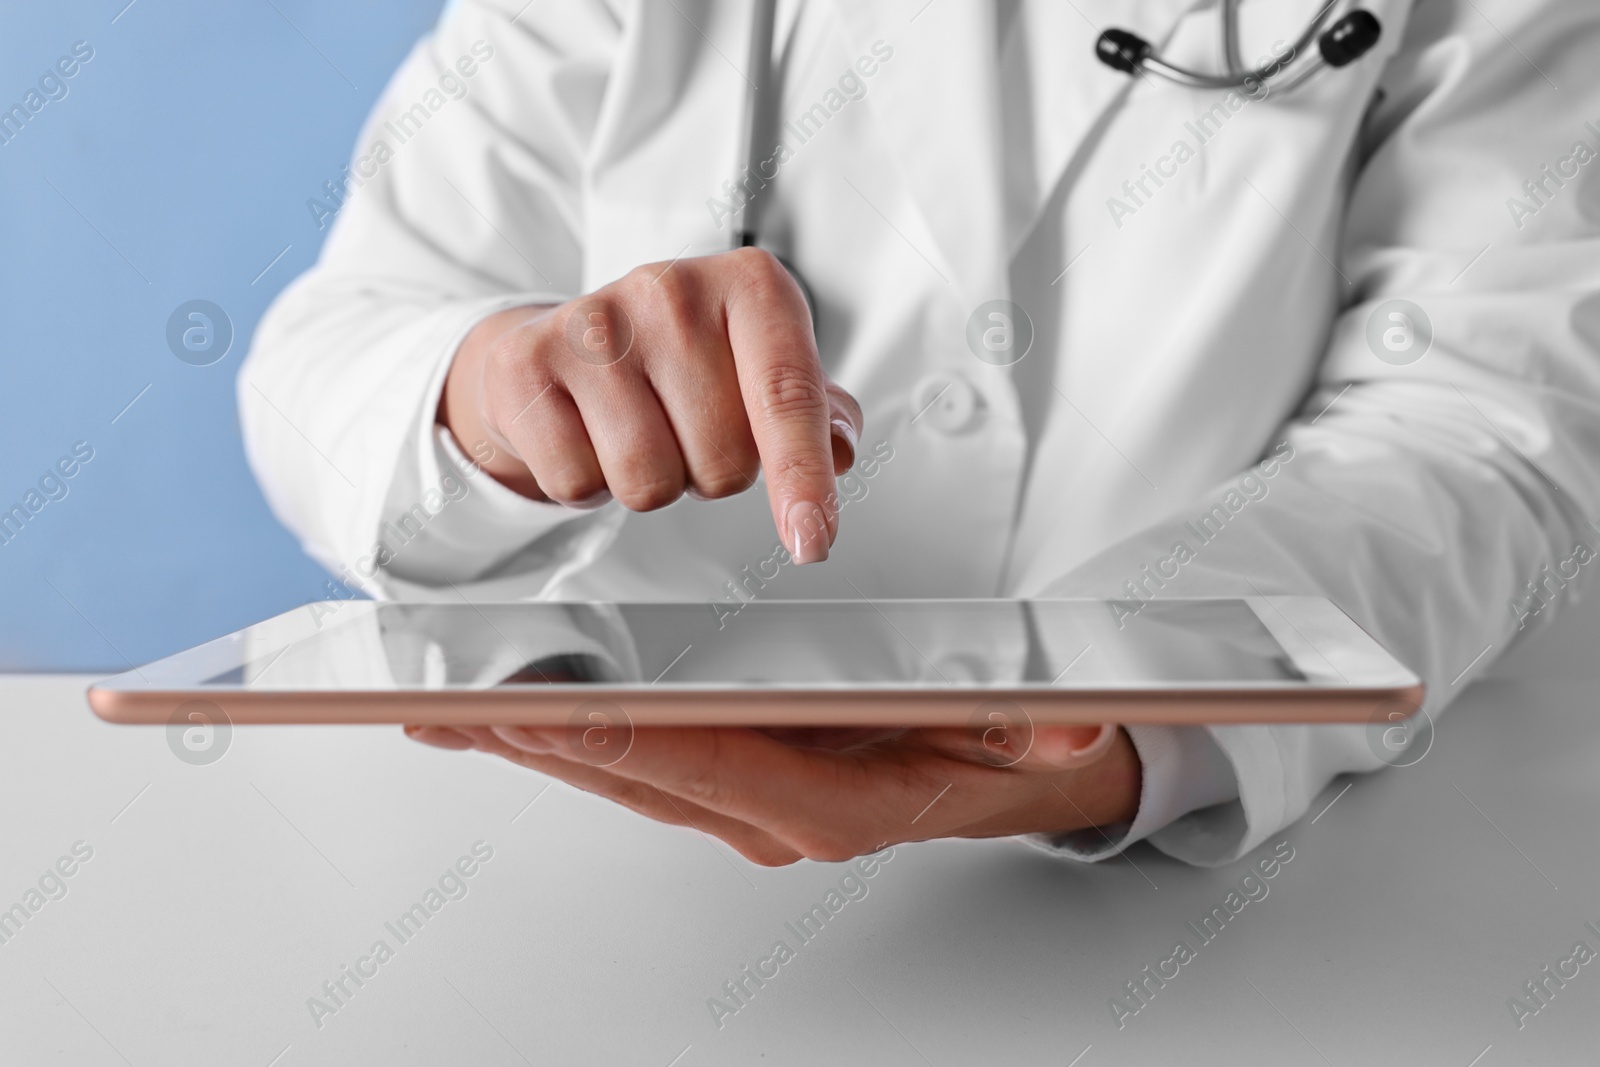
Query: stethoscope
point(1341, 44)
point(760, 119)
point(759, 112)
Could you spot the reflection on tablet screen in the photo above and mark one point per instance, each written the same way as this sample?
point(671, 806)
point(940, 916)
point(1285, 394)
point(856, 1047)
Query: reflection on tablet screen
point(811, 644)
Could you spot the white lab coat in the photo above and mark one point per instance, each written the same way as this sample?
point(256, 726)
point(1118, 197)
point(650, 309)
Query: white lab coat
point(1182, 333)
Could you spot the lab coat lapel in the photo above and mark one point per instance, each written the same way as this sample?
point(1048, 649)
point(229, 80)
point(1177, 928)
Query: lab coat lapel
point(937, 101)
point(1078, 94)
point(669, 135)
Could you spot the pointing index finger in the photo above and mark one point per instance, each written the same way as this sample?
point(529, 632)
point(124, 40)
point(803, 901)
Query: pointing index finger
point(786, 400)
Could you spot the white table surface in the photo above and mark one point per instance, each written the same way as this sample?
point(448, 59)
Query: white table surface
point(219, 898)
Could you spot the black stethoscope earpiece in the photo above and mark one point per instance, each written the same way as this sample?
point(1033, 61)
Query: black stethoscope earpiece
point(1347, 40)
point(1350, 38)
point(1122, 50)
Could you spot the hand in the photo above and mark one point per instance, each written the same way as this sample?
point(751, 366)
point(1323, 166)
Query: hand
point(688, 376)
point(779, 796)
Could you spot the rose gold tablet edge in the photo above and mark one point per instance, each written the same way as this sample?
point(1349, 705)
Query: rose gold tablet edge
point(533, 706)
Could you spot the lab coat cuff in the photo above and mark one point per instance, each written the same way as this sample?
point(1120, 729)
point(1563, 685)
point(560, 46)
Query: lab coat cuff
point(1182, 769)
point(1219, 834)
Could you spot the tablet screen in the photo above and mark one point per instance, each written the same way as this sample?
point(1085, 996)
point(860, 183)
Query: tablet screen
point(798, 644)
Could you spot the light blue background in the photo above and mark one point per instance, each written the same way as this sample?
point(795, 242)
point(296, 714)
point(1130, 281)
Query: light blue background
point(191, 142)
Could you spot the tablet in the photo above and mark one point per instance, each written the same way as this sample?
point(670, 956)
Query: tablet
point(782, 662)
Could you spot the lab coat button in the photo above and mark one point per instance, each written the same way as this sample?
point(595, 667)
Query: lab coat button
point(947, 403)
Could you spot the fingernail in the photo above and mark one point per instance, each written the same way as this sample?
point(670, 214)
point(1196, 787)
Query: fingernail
point(808, 532)
point(1098, 744)
point(843, 431)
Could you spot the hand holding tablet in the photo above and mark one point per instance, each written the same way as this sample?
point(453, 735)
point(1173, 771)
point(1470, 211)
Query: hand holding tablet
point(777, 802)
point(816, 729)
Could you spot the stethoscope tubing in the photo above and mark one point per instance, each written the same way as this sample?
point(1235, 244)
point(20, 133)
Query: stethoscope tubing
point(759, 107)
point(1236, 78)
point(1118, 48)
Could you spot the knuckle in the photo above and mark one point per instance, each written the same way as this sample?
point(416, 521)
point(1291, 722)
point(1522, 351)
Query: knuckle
point(760, 274)
point(632, 286)
point(511, 357)
point(719, 484)
point(516, 405)
point(804, 469)
point(576, 311)
point(758, 265)
point(670, 290)
point(607, 302)
point(786, 390)
point(649, 494)
point(733, 469)
point(597, 328)
point(571, 484)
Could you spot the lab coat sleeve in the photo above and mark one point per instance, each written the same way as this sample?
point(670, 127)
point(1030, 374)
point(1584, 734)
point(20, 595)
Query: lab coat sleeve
point(1448, 504)
point(462, 199)
point(1181, 770)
